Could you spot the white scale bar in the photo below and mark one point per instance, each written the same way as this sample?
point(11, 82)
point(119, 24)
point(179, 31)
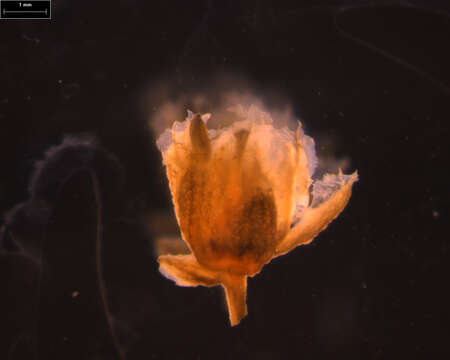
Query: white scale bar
point(4, 12)
point(18, 11)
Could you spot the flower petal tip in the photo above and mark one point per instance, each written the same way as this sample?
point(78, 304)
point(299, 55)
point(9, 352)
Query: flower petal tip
point(184, 270)
point(206, 117)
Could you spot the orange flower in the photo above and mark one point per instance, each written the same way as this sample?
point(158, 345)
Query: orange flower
point(242, 197)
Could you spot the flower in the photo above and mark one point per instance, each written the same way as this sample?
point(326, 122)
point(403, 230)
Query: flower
point(243, 195)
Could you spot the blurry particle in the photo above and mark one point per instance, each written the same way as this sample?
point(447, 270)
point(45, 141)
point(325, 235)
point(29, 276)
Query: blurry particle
point(319, 93)
point(125, 86)
point(60, 81)
point(70, 90)
point(325, 115)
point(28, 97)
point(378, 353)
point(100, 75)
point(364, 285)
point(436, 214)
point(406, 138)
point(5, 100)
point(29, 38)
point(341, 114)
point(386, 92)
point(65, 338)
point(395, 300)
point(75, 294)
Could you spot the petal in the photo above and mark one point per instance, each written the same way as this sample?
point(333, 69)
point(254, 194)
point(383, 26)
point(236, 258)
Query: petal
point(199, 135)
point(163, 143)
point(309, 146)
point(186, 271)
point(325, 188)
point(206, 117)
point(190, 115)
point(200, 142)
point(282, 164)
point(316, 219)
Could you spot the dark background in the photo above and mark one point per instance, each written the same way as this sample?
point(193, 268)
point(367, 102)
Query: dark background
point(373, 78)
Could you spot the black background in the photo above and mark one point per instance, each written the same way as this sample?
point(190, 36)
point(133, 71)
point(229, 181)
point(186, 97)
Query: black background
point(375, 79)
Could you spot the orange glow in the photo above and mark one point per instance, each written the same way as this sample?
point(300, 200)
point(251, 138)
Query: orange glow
point(236, 193)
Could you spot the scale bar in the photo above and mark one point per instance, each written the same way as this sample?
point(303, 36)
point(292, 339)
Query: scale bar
point(27, 12)
point(30, 9)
